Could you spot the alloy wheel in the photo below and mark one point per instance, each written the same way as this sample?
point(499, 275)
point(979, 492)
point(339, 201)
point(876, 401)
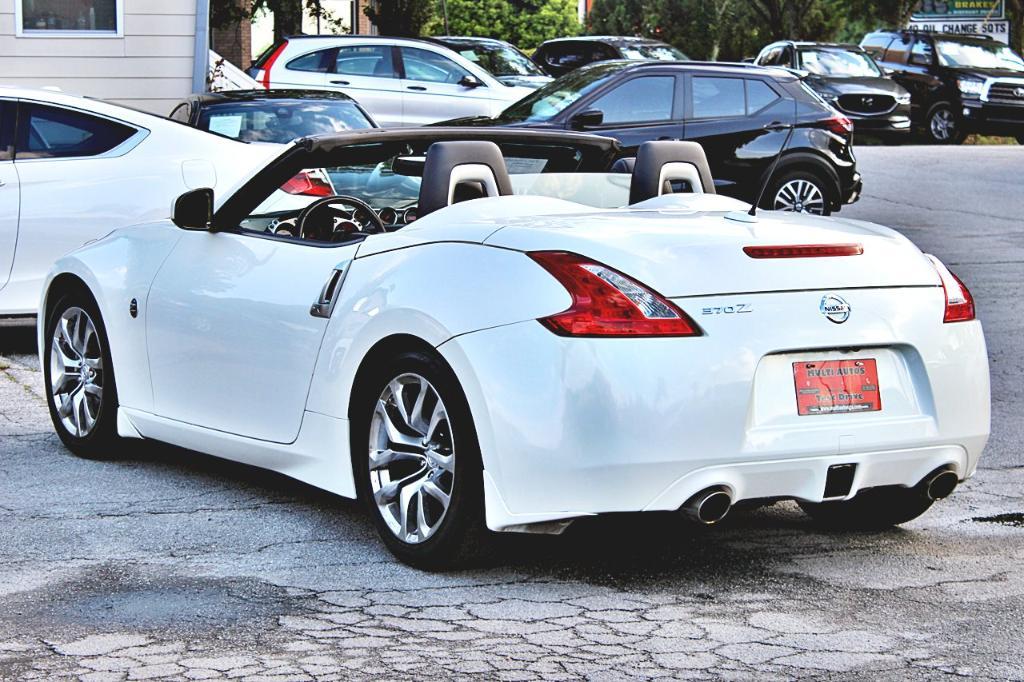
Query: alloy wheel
point(76, 372)
point(411, 458)
point(800, 196)
point(943, 125)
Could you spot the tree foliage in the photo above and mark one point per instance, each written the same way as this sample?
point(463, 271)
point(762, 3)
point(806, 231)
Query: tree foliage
point(525, 24)
point(401, 17)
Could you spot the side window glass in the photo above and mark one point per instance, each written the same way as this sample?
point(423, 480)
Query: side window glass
point(897, 51)
point(875, 45)
point(771, 58)
point(52, 132)
point(639, 100)
point(314, 61)
point(365, 60)
point(922, 54)
point(759, 96)
point(6, 130)
point(718, 97)
point(180, 113)
point(424, 65)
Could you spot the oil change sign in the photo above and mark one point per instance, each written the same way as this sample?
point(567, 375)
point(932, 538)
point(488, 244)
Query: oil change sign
point(999, 29)
point(963, 17)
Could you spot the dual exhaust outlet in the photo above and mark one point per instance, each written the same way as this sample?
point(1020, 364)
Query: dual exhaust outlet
point(710, 505)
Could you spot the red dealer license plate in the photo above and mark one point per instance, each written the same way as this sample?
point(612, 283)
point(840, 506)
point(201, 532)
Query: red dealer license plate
point(836, 386)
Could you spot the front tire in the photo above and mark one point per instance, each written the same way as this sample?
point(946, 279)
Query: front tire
point(943, 126)
point(1020, 139)
point(81, 391)
point(417, 462)
point(872, 509)
point(798, 191)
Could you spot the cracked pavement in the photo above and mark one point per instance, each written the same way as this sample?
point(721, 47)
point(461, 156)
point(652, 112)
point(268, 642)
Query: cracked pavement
point(172, 565)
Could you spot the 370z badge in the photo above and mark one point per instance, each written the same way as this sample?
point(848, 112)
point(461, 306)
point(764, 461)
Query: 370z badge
point(834, 308)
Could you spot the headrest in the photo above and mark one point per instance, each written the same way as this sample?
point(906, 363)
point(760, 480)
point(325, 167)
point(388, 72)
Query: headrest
point(450, 164)
point(624, 165)
point(664, 161)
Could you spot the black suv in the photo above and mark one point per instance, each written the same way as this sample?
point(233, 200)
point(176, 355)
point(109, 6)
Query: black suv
point(562, 55)
point(958, 84)
point(849, 79)
point(740, 114)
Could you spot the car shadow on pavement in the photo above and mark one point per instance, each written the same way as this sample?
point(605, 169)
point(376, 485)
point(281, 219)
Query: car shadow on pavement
point(20, 340)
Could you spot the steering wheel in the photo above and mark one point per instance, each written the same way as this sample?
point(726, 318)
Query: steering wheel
point(324, 221)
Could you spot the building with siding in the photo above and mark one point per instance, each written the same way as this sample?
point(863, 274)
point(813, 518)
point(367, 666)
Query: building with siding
point(143, 53)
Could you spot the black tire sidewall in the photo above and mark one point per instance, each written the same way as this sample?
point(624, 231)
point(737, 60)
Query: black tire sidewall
point(102, 442)
point(463, 523)
point(827, 193)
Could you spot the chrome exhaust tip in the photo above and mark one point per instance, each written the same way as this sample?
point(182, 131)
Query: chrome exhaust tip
point(709, 506)
point(940, 484)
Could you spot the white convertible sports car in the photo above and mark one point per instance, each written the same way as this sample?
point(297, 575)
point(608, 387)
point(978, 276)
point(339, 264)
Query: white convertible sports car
point(525, 353)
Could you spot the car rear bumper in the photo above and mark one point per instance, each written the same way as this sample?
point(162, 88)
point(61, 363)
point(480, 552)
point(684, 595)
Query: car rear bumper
point(571, 427)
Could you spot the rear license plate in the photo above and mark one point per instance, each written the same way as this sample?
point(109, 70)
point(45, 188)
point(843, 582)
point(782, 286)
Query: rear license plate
point(836, 386)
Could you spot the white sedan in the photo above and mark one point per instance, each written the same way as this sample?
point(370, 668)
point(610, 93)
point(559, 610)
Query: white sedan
point(72, 169)
point(514, 362)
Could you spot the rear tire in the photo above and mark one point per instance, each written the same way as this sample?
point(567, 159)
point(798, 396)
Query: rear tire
point(433, 455)
point(80, 389)
point(872, 509)
point(799, 191)
point(1020, 139)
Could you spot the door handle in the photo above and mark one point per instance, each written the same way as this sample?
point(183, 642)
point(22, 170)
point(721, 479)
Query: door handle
point(325, 303)
point(415, 87)
point(776, 126)
point(340, 82)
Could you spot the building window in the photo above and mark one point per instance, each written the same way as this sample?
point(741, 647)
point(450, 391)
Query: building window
point(50, 17)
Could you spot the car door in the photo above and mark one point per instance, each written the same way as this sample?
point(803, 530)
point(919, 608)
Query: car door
point(730, 117)
point(9, 193)
point(434, 89)
point(231, 335)
point(637, 110)
point(920, 78)
point(78, 180)
point(369, 74)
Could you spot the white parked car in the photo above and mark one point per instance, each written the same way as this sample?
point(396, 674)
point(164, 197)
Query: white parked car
point(400, 81)
point(72, 169)
point(513, 362)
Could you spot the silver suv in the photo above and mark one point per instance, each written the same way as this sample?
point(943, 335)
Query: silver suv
point(401, 82)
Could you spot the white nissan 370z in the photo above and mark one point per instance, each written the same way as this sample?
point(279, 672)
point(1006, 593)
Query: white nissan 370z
point(488, 330)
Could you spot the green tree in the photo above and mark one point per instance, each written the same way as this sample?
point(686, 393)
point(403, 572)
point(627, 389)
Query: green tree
point(401, 17)
point(525, 24)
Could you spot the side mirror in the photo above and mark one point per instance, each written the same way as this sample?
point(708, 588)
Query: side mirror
point(920, 59)
point(749, 60)
point(470, 82)
point(887, 71)
point(590, 118)
point(194, 210)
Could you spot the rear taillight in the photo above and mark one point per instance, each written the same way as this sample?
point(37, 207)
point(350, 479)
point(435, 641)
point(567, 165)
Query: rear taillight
point(804, 250)
point(265, 80)
point(959, 302)
point(838, 124)
point(309, 183)
point(606, 302)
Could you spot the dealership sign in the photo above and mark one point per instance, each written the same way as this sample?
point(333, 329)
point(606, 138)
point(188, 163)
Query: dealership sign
point(963, 17)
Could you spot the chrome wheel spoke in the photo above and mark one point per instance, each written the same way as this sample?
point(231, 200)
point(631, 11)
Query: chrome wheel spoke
point(394, 431)
point(76, 372)
point(384, 458)
point(434, 491)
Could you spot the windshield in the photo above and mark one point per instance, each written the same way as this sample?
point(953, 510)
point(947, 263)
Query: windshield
point(280, 120)
point(986, 54)
point(499, 60)
point(547, 102)
point(652, 51)
point(838, 63)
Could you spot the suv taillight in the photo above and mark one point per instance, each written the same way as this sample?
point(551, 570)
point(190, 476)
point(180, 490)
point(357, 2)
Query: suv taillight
point(838, 124)
point(310, 183)
point(606, 302)
point(269, 62)
point(959, 302)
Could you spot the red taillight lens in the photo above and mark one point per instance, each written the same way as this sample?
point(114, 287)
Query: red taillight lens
point(838, 124)
point(959, 302)
point(606, 302)
point(309, 183)
point(804, 251)
point(270, 62)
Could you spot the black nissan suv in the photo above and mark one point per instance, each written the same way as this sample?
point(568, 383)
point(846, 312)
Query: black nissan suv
point(958, 84)
point(741, 114)
point(849, 79)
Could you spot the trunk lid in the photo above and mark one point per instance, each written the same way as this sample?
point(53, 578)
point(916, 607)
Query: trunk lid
point(685, 253)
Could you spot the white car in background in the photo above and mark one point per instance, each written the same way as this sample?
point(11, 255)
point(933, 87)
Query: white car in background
point(72, 169)
point(514, 362)
point(400, 81)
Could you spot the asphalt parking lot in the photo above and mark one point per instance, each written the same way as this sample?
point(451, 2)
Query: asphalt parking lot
point(172, 565)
